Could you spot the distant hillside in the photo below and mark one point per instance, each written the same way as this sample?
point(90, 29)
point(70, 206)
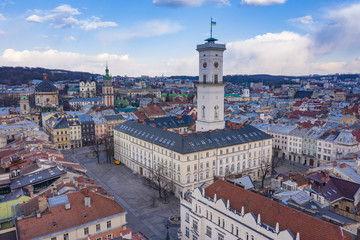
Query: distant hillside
point(23, 75)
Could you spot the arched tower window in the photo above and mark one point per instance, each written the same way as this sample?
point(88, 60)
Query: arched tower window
point(203, 111)
point(216, 108)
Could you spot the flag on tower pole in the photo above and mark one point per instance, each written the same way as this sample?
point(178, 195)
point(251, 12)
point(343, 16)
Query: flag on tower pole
point(212, 23)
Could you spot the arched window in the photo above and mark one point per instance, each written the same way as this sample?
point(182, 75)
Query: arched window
point(203, 111)
point(216, 108)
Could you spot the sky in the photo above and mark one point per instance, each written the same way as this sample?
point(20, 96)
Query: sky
point(159, 37)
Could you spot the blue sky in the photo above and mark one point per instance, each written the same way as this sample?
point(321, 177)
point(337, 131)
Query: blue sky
point(155, 37)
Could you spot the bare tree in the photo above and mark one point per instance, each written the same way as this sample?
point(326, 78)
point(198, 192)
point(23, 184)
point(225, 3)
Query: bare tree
point(168, 187)
point(265, 167)
point(108, 147)
point(96, 149)
point(156, 177)
point(162, 184)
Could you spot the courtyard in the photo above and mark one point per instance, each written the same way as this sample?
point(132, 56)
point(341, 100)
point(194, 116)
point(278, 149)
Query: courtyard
point(146, 213)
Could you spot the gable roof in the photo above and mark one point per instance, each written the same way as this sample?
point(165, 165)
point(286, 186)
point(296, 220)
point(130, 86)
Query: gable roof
point(272, 212)
point(101, 207)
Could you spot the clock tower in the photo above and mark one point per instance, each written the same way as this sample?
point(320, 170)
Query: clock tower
point(108, 89)
point(210, 89)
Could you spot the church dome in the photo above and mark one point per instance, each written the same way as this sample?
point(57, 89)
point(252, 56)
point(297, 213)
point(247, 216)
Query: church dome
point(45, 86)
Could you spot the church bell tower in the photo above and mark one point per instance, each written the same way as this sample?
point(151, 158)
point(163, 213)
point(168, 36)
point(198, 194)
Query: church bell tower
point(210, 89)
point(108, 89)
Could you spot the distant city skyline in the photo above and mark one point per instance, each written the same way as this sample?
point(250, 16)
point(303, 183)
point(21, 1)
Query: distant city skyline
point(155, 37)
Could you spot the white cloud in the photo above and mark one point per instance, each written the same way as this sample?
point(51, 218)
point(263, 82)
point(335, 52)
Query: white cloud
point(274, 53)
point(262, 2)
point(2, 17)
point(340, 32)
point(94, 23)
point(70, 38)
point(3, 3)
point(35, 18)
point(65, 60)
point(63, 16)
point(147, 29)
point(2, 33)
point(188, 3)
point(304, 20)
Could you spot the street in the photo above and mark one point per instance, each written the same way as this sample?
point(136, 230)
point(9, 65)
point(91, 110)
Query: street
point(131, 193)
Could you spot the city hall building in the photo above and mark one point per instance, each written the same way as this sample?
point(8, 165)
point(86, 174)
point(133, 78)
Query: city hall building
point(190, 159)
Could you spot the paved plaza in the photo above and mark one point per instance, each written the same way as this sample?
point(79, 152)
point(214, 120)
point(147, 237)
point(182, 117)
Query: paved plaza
point(131, 192)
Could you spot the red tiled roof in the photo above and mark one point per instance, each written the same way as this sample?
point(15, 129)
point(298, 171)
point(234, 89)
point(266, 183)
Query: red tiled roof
point(101, 207)
point(310, 228)
point(298, 103)
point(357, 135)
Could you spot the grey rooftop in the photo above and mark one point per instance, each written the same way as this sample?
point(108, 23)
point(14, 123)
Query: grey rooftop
point(193, 142)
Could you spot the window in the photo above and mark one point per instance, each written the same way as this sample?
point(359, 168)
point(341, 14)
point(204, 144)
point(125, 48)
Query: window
point(187, 217)
point(187, 232)
point(208, 231)
point(86, 231)
point(97, 227)
point(108, 224)
point(66, 236)
point(216, 78)
point(204, 78)
point(220, 236)
point(195, 226)
point(188, 179)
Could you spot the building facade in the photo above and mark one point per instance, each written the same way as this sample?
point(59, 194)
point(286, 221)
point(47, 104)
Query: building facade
point(225, 211)
point(88, 88)
point(75, 131)
point(87, 130)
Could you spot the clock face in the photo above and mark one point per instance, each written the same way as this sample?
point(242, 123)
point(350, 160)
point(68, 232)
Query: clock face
point(204, 65)
point(216, 64)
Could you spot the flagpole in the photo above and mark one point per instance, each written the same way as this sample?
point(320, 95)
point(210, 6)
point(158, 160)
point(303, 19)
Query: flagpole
point(211, 28)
